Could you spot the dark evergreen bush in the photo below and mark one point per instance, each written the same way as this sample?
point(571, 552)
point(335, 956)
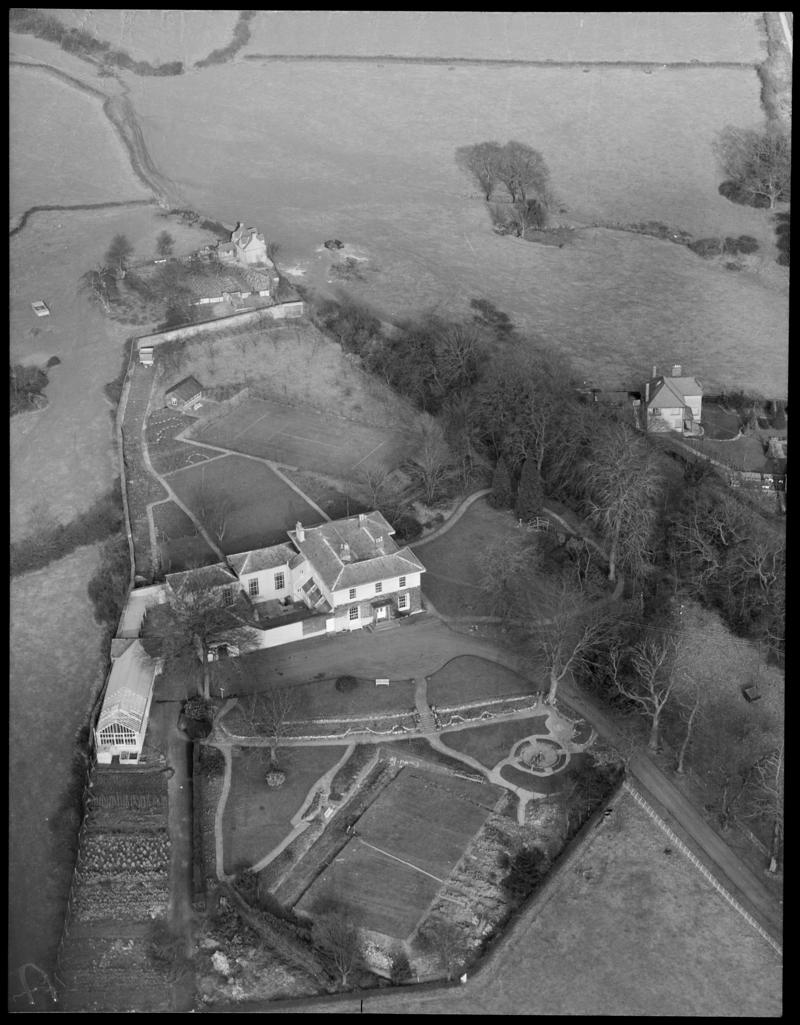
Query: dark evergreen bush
point(345, 684)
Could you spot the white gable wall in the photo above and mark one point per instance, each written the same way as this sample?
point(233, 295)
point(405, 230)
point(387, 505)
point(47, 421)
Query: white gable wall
point(266, 583)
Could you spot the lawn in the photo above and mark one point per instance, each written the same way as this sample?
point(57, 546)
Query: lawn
point(490, 744)
point(452, 562)
point(319, 698)
point(519, 35)
point(470, 678)
point(416, 829)
point(622, 147)
point(243, 483)
point(301, 436)
point(256, 817)
point(39, 104)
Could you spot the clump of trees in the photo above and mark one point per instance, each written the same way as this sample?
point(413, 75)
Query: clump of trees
point(757, 163)
point(26, 388)
point(522, 173)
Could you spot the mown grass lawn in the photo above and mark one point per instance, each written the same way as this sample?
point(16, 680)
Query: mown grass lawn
point(453, 572)
point(255, 520)
point(317, 699)
point(470, 678)
point(490, 744)
point(256, 816)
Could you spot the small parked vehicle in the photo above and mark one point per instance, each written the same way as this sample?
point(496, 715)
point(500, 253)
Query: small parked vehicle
point(40, 308)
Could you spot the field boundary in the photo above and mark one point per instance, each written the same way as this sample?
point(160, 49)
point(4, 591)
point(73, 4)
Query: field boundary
point(499, 62)
point(704, 871)
point(280, 311)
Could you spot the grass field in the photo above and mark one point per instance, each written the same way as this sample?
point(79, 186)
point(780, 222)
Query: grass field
point(423, 819)
point(644, 934)
point(490, 744)
point(622, 146)
point(518, 35)
point(39, 105)
point(302, 437)
point(253, 522)
point(452, 561)
point(156, 36)
point(468, 678)
point(256, 817)
point(54, 668)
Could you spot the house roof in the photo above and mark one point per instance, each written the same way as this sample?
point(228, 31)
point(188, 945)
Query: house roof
point(185, 389)
point(130, 684)
point(249, 236)
point(355, 550)
point(669, 392)
point(261, 558)
point(217, 575)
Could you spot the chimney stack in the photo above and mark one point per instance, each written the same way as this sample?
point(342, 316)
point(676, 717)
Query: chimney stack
point(344, 551)
point(299, 531)
point(655, 369)
point(362, 518)
point(676, 370)
point(647, 393)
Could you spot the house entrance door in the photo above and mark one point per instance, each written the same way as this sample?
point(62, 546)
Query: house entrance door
point(381, 613)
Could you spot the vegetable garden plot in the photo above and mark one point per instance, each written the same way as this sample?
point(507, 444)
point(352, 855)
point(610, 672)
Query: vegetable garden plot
point(404, 846)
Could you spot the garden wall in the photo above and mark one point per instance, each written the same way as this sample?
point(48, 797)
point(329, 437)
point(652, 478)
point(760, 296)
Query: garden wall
point(281, 311)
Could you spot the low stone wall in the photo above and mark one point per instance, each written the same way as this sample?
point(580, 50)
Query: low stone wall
point(281, 311)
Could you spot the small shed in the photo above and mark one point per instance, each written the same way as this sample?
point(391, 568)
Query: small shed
point(184, 394)
point(123, 718)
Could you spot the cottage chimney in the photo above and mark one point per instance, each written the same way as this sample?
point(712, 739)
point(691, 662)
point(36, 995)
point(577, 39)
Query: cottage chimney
point(676, 370)
point(647, 393)
point(344, 551)
point(655, 370)
point(362, 518)
point(299, 531)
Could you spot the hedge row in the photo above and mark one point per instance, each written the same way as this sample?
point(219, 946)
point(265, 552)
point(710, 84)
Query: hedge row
point(241, 36)
point(47, 544)
point(33, 21)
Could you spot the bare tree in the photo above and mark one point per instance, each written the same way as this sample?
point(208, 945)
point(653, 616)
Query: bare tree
point(118, 254)
point(183, 631)
point(100, 286)
point(336, 934)
point(758, 161)
point(506, 567)
point(165, 244)
point(688, 715)
point(524, 173)
point(766, 799)
point(433, 459)
point(621, 485)
point(445, 940)
point(212, 509)
point(482, 161)
point(269, 712)
point(654, 662)
point(565, 628)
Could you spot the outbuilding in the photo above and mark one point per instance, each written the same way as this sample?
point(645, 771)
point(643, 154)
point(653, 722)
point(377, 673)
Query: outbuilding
point(184, 394)
point(123, 718)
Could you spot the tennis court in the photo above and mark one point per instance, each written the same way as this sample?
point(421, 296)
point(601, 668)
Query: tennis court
point(302, 437)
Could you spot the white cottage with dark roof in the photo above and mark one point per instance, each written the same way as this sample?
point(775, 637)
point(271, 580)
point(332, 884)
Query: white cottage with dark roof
point(674, 402)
